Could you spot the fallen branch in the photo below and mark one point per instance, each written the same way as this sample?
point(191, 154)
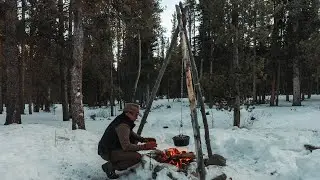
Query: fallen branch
point(311, 147)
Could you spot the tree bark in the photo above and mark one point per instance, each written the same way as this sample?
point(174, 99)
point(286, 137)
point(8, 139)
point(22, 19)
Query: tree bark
point(110, 56)
point(310, 83)
point(70, 46)
point(236, 109)
point(296, 83)
point(12, 64)
point(139, 69)
point(275, 48)
point(63, 65)
point(318, 80)
point(254, 64)
point(29, 71)
point(1, 72)
point(29, 76)
point(287, 86)
point(23, 57)
point(254, 73)
point(76, 70)
point(36, 107)
point(119, 35)
point(278, 84)
point(191, 94)
point(111, 87)
point(47, 102)
point(273, 87)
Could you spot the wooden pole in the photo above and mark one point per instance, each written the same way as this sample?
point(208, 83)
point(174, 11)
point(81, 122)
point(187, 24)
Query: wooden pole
point(192, 98)
point(159, 78)
point(198, 88)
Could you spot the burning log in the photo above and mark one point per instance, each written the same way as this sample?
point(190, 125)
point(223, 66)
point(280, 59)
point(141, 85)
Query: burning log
point(173, 156)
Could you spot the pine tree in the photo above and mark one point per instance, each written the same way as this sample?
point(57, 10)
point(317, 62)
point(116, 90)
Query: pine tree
point(12, 64)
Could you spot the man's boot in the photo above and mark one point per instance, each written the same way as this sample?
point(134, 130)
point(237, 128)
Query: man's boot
point(109, 170)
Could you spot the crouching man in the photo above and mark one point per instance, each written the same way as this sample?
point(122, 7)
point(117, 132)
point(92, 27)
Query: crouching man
point(118, 144)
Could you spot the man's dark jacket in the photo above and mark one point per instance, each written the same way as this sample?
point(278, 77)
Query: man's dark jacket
point(110, 140)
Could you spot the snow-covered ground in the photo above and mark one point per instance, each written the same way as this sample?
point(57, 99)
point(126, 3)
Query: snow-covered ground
point(269, 147)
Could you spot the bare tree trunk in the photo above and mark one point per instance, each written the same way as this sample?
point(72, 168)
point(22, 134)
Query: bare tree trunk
point(120, 104)
point(310, 83)
point(29, 76)
point(274, 52)
point(76, 70)
point(191, 96)
point(12, 64)
point(119, 38)
point(63, 65)
point(29, 71)
point(236, 110)
point(23, 56)
point(273, 87)
point(110, 56)
point(254, 73)
point(302, 96)
point(278, 84)
point(139, 70)
point(158, 80)
point(1, 73)
point(287, 87)
point(254, 64)
point(317, 80)
point(119, 35)
point(111, 87)
point(47, 102)
point(296, 83)
point(70, 45)
point(2, 61)
point(318, 89)
point(37, 103)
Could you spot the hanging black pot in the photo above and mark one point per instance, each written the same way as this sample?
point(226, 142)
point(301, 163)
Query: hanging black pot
point(181, 140)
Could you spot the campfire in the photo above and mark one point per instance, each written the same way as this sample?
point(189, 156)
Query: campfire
point(173, 156)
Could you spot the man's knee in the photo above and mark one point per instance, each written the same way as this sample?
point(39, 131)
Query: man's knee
point(134, 157)
point(131, 160)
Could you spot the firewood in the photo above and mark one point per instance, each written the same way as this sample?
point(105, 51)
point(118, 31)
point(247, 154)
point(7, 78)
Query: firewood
point(184, 155)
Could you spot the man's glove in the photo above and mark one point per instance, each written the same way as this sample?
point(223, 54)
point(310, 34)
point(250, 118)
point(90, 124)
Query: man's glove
point(149, 139)
point(150, 146)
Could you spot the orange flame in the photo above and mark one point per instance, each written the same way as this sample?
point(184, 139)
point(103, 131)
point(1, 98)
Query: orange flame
point(170, 156)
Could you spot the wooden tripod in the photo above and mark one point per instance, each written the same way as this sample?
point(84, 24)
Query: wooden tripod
point(190, 70)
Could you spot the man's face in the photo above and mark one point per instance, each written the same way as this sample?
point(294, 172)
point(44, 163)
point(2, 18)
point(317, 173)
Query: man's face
point(133, 115)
